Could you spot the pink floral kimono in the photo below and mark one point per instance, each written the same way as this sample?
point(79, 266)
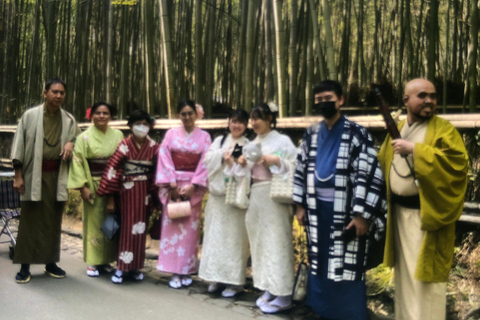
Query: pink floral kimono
point(180, 160)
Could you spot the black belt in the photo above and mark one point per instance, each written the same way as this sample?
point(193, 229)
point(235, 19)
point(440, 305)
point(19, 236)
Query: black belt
point(410, 202)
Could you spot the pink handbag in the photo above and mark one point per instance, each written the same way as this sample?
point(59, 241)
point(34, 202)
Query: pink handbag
point(178, 210)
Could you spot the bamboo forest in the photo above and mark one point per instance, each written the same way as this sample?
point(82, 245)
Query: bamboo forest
point(233, 54)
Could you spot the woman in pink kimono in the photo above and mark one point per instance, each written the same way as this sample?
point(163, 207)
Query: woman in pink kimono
point(181, 174)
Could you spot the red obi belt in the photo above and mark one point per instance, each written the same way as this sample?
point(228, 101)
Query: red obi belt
point(185, 161)
point(50, 166)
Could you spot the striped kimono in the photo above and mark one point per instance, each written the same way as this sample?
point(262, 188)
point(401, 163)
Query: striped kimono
point(130, 172)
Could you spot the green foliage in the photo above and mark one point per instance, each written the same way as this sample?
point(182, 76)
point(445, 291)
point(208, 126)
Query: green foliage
point(472, 144)
point(74, 205)
point(124, 2)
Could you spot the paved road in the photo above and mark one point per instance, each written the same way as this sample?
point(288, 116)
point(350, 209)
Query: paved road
point(80, 297)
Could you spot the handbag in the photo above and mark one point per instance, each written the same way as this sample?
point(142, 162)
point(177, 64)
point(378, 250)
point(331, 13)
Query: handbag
point(281, 188)
point(178, 210)
point(300, 285)
point(111, 225)
point(237, 191)
point(301, 282)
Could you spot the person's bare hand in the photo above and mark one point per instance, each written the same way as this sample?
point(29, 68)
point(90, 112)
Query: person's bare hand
point(242, 160)
point(270, 160)
point(86, 194)
point(401, 146)
point(18, 185)
point(67, 151)
point(300, 213)
point(187, 191)
point(360, 224)
point(174, 193)
point(228, 159)
point(111, 204)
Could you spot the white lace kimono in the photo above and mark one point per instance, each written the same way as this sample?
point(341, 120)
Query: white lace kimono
point(269, 224)
point(225, 243)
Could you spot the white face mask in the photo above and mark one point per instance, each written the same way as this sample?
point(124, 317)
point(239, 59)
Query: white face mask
point(140, 130)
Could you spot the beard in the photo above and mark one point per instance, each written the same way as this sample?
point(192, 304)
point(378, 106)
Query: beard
point(422, 117)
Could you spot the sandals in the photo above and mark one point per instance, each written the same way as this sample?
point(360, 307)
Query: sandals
point(54, 271)
point(117, 277)
point(137, 275)
point(231, 291)
point(175, 282)
point(23, 278)
point(261, 301)
point(269, 308)
point(187, 281)
point(92, 272)
point(214, 287)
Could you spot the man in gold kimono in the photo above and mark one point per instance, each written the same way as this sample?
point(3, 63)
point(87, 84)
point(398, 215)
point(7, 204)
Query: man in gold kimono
point(42, 145)
point(426, 175)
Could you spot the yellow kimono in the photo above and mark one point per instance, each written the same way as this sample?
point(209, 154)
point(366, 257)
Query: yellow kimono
point(440, 165)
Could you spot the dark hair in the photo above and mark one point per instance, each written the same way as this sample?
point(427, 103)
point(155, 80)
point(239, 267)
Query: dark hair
point(51, 81)
point(328, 85)
point(111, 108)
point(139, 115)
point(186, 103)
point(262, 111)
point(239, 115)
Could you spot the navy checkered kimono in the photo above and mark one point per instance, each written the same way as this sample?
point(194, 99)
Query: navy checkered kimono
point(359, 190)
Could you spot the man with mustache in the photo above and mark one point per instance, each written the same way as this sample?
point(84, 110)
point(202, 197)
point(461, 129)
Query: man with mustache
point(42, 145)
point(425, 198)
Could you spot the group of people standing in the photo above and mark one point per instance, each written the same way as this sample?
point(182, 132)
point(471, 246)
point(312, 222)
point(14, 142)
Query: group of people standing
point(339, 188)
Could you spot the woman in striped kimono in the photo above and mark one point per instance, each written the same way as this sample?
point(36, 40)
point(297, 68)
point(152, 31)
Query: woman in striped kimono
point(130, 172)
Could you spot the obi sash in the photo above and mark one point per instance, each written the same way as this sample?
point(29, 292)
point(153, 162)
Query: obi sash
point(50, 166)
point(138, 168)
point(185, 161)
point(97, 166)
point(260, 173)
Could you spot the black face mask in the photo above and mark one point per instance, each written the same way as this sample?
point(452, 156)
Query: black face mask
point(326, 109)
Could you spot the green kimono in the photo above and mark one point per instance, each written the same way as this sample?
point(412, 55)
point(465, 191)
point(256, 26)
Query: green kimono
point(440, 165)
point(94, 146)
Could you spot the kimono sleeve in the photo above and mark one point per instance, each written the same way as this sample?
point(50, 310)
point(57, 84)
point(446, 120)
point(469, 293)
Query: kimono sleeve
point(112, 176)
point(165, 172)
point(79, 169)
point(368, 187)
point(200, 176)
point(214, 156)
point(441, 169)
point(18, 146)
point(299, 182)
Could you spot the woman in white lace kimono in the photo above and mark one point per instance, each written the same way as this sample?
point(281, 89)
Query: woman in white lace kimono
point(269, 224)
point(225, 243)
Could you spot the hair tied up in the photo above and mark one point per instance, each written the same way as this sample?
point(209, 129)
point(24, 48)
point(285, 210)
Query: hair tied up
point(272, 106)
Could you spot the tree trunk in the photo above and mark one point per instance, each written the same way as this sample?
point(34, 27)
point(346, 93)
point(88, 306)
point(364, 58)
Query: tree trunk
point(293, 87)
point(332, 70)
point(472, 72)
point(281, 63)
point(250, 44)
point(167, 57)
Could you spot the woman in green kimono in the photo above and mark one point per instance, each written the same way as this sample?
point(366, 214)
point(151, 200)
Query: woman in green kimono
point(91, 153)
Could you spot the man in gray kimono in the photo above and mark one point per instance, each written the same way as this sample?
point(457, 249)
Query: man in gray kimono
point(42, 145)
